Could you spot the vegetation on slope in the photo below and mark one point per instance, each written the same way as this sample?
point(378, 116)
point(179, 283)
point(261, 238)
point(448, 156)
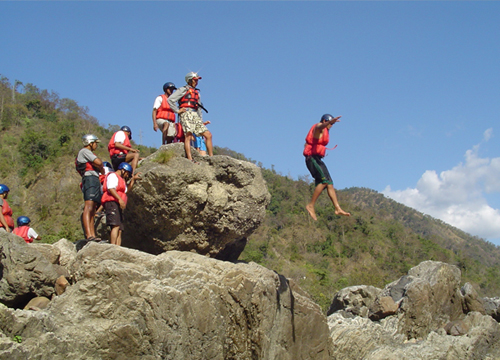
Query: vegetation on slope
point(40, 136)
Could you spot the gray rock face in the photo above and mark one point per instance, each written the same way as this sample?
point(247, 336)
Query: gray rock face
point(24, 271)
point(359, 338)
point(202, 207)
point(126, 304)
point(354, 299)
point(492, 307)
point(434, 320)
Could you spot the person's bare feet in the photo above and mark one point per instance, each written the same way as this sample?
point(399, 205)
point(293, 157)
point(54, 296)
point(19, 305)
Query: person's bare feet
point(310, 210)
point(342, 212)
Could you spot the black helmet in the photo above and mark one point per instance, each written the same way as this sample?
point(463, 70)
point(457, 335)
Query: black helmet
point(169, 85)
point(326, 117)
point(127, 129)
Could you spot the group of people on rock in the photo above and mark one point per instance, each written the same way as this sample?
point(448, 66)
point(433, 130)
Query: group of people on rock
point(184, 101)
point(23, 228)
point(105, 185)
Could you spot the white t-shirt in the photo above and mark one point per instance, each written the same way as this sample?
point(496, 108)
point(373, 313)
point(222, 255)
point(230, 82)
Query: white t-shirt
point(32, 234)
point(120, 137)
point(158, 102)
point(112, 182)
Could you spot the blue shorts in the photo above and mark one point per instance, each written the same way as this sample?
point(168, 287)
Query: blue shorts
point(199, 143)
point(318, 170)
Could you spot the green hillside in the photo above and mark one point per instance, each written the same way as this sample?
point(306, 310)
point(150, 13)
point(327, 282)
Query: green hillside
point(40, 136)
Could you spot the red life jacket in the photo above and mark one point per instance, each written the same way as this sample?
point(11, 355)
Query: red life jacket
point(316, 146)
point(111, 146)
point(120, 189)
point(7, 214)
point(190, 99)
point(164, 111)
point(179, 137)
point(82, 168)
point(22, 231)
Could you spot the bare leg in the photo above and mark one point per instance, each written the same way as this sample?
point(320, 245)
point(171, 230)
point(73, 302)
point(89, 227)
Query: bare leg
point(132, 159)
point(208, 140)
point(88, 218)
point(187, 145)
point(115, 234)
point(333, 197)
point(119, 239)
point(317, 192)
point(164, 131)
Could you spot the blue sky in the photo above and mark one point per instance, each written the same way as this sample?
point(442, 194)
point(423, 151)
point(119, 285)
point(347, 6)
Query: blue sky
point(416, 83)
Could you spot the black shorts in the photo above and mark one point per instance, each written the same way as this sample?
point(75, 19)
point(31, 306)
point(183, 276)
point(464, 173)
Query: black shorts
point(318, 170)
point(91, 188)
point(114, 214)
point(117, 159)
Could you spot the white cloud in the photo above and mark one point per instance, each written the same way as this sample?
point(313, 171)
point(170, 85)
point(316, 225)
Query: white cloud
point(457, 196)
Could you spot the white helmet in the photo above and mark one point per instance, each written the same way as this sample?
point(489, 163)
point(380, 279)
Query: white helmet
point(191, 75)
point(89, 139)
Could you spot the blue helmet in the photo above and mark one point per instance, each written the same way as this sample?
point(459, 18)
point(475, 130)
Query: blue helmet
point(23, 220)
point(169, 85)
point(4, 189)
point(107, 164)
point(125, 166)
point(127, 129)
point(326, 117)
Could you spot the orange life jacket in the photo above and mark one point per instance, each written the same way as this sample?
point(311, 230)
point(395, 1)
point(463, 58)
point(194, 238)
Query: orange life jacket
point(111, 146)
point(7, 214)
point(316, 146)
point(190, 99)
point(22, 231)
point(120, 189)
point(164, 111)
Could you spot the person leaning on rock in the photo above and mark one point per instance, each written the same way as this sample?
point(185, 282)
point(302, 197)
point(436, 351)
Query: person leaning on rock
point(190, 115)
point(89, 166)
point(114, 199)
point(6, 221)
point(163, 116)
point(121, 150)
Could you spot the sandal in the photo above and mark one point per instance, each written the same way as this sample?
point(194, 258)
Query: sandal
point(195, 162)
point(93, 238)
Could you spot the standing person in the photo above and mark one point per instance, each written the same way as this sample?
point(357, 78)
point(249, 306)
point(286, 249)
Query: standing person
point(89, 166)
point(114, 199)
point(163, 116)
point(6, 221)
point(24, 230)
point(314, 150)
point(121, 150)
point(190, 115)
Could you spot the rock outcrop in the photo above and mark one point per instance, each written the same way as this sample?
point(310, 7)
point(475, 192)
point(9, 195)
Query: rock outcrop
point(423, 315)
point(205, 207)
point(127, 304)
point(25, 272)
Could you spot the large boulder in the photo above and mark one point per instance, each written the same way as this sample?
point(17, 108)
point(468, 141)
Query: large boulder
point(127, 304)
point(205, 207)
point(432, 299)
point(25, 272)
